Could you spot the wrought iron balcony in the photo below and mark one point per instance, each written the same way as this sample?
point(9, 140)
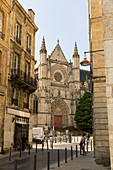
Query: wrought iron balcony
point(2, 35)
point(29, 50)
point(18, 40)
point(15, 102)
point(20, 77)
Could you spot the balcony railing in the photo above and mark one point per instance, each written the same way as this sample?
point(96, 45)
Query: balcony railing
point(23, 78)
point(2, 35)
point(26, 105)
point(29, 50)
point(15, 102)
point(18, 40)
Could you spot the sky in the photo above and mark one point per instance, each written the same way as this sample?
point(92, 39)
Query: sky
point(66, 20)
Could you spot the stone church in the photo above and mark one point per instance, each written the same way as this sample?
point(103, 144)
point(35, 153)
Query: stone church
point(61, 84)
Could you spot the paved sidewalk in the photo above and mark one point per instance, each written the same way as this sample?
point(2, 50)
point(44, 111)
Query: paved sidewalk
point(82, 162)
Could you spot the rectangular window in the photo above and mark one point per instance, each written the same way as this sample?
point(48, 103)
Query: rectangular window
point(14, 97)
point(26, 101)
point(18, 33)
point(1, 21)
point(1, 25)
point(28, 43)
point(27, 68)
point(0, 66)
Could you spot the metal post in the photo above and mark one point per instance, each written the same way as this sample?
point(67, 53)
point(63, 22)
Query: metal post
point(42, 146)
point(36, 147)
point(80, 150)
point(65, 155)
point(20, 152)
point(15, 164)
point(52, 143)
point(76, 151)
point(29, 149)
point(10, 154)
point(91, 145)
point(48, 161)
point(58, 158)
point(34, 162)
point(47, 145)
point(87, 146)
point(71, 153)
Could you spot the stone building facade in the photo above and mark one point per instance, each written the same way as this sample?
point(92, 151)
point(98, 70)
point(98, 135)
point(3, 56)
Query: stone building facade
point(18, 118)
point(4, 52)
point(107, 10)
point(100, 116)
point(59, 87)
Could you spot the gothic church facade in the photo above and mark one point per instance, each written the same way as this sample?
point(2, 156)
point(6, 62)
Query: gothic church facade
point(59, 88)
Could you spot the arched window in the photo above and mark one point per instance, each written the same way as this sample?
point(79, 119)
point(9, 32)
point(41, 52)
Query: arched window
point(1, 22)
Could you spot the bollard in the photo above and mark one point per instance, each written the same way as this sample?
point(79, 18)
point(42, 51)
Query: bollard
point(80, 150)
point(52, 143)
point(71, 153)
point(36, 147)
point(91, 145)
point(42, 146)
point(47, 145)
point(20, 152)
point(87, 146)
point(48, 161)
point(15, 164)
point(29, 149)
point(76, 151)
point(65, 155)
point(34, 162)
point(10, 154)
point(58, 158)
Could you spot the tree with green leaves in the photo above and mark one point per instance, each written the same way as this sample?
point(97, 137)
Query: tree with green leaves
point(83, 116)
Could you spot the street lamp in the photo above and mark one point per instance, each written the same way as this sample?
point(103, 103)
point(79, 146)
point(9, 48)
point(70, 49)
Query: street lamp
point(85, 62)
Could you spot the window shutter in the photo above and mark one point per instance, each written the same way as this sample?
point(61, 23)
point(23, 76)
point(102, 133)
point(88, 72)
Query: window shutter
point(1, 20)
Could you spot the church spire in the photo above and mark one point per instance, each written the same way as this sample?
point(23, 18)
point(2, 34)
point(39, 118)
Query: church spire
point(43, 46)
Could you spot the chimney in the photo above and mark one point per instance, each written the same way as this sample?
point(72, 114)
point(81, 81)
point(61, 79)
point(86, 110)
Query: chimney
point(31, 14)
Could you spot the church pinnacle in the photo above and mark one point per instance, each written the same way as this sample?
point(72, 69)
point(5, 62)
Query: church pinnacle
point(75, 49)
point(43, 46)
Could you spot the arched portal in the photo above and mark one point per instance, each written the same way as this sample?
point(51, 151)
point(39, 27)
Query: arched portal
point(59, 113)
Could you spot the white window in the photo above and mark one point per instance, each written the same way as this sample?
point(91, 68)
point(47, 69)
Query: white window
point(14, 93)
point(1, 21)
point(15, 62)
point(27, 68)
point(28, 41)
point(18, 31)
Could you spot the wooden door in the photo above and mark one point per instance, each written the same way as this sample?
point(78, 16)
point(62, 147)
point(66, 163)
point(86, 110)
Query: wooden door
point(58, 121)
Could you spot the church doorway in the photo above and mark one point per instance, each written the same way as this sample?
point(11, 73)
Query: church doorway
point(58, 121)
point(59, 117)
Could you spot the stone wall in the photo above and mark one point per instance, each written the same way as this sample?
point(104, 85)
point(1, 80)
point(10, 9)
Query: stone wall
point(100, 118)
point(108, 47)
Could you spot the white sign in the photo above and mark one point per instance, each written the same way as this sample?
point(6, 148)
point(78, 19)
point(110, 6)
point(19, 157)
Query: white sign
point(46, 127)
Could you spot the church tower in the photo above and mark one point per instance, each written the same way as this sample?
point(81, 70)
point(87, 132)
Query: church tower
point(43, 65)
point(75, 68)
